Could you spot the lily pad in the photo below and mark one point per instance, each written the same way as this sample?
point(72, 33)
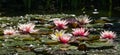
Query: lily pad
point(51, 42)
point(99, 45)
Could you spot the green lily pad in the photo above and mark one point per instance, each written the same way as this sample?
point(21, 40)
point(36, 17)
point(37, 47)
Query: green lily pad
point(72, 47)
point(99, 45)
point(93, 37)
point(51, 42)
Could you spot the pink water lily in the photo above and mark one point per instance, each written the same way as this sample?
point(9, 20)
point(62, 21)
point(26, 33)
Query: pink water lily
point(108, 35)
point(80, 32)
point(84, 19)
point(60, 24)
point(65, 38)
point(27, 28)
point(9, 31)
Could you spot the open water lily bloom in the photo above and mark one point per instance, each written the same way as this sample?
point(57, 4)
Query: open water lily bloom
point(9, 32)
point(57, 34)
point(80, 32)
point(60, 24)
point(27, 28)
point(65, 38)
point(84, 19)
point(108, 35)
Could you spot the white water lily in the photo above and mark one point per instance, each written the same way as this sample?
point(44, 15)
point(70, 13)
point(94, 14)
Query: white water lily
point(84, 19)
point(57, 34)
point(61, 36)
point(108, 35)
point(9, 31)
point(27, 28)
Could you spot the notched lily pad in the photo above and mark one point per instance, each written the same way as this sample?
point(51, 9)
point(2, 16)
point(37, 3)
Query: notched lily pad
point(82, 47)
point(93, 37)
point(99, 45)
point(82, 39)
point(28, 39)
point(51, 42)
point(72, 47)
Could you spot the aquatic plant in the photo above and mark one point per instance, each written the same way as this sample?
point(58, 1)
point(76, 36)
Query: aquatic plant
point(57, 41)
point(108, 35)
point(83, 19)
point(72, 22)
point(65, 38)
point(10, 31)
point(61, 36)
point(57, 34)
point(60, 24)
point(27, 28)
point(80, 32)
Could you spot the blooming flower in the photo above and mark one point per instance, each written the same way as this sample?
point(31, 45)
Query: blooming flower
point(65, 38)
point(57, 34)
point(9, 31)
point(27, 28)
point(61, 36)
point(107, 35)
point(84, 19)
point(80, 32)
point(60, 24)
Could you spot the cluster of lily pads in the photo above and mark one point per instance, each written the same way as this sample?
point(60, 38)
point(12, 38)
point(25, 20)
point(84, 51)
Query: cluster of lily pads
point(80, 31)
point(63, 32)
point(67, 33)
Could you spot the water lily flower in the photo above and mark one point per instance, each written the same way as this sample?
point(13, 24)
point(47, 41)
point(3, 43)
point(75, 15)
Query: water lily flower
point(61, 36)
point(57, 34)
point(27, 28)
point(9, 31)
point(72, 22)
point(84, 19)
point(65, 38)
point(80, 32)
point(60, 24)
point(108, 35)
